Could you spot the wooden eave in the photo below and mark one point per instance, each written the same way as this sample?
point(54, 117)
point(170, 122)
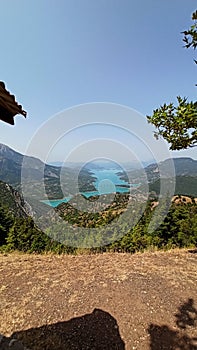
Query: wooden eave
point(8, 106)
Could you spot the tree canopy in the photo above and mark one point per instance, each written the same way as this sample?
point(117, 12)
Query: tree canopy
point(178, 124)
point(190, 35)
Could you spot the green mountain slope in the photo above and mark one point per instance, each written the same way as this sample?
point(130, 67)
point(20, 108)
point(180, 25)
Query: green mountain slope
point(185, 185)
point(40, 180)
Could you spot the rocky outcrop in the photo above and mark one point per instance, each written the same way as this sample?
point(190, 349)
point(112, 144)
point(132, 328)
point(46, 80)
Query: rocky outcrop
point(24, 207)
point(11, 198)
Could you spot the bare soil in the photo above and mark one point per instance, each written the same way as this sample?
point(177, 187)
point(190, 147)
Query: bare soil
point(105, 301)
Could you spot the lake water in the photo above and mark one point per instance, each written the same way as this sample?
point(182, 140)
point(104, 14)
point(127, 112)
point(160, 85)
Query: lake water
point(108, 181)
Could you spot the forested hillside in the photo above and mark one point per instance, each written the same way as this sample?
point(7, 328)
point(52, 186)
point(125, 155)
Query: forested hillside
point(18, 231)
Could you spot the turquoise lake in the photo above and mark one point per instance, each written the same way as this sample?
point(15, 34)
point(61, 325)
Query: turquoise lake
point(108, 181)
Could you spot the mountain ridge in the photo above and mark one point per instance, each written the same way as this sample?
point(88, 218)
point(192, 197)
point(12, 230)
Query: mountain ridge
point(44, 181)
point(40, 179)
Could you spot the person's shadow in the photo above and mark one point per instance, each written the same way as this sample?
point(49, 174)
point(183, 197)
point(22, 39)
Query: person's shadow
point(95, 331)
point(165, 338)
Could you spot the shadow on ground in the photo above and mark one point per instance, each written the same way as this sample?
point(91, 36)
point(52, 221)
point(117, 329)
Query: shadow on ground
point(95, 331)
point(165, 338)
point(192, 251)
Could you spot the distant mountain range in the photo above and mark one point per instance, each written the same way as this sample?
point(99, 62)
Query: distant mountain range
point(184, 170)
point(183, 167)
point(42, 180)
point(103, 164)
point(39, 179)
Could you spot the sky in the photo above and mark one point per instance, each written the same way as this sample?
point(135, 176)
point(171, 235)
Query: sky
point(58, 54)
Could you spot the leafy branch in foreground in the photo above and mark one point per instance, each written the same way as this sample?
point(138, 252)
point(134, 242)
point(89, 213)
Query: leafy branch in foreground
point(177, 125)
point(190, 36)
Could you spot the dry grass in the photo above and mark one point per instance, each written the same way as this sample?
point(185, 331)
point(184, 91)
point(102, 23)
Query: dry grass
point(136, 290)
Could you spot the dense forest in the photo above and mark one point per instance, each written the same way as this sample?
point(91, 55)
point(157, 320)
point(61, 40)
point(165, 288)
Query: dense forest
point(178, 229)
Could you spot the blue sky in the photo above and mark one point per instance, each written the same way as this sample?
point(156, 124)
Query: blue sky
point(62, 53)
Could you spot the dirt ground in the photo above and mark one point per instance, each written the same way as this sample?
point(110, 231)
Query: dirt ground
point(105, 301)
